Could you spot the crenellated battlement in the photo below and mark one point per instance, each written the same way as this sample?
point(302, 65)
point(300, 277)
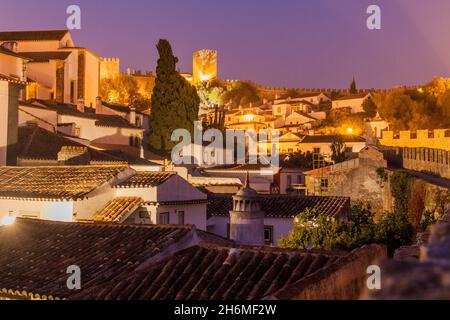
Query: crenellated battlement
point(434, 161)
point(434, 139)
point(109, 67)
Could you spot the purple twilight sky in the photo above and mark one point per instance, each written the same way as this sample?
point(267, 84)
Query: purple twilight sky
point(295, 43)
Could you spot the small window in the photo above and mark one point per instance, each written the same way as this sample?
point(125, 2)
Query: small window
point(181, 218)
point(289, 181)
point(164, 218)
point(131, 142)
point(316, 150)
point(143, 214)
point(324, 184)
point(268, 235)
point(77, 131)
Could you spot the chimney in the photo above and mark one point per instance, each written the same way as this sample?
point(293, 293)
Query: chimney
point(247, 218)
point(98, 105)
point(80, 105)
point(132, 115)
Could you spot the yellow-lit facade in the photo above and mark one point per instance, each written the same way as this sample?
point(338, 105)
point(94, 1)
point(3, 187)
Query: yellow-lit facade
point(204, 65)
point(433, 139)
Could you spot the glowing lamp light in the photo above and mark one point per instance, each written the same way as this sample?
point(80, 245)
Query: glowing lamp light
point(350, 130)
point(249, 117)
point(8, 220)
point(204, 77)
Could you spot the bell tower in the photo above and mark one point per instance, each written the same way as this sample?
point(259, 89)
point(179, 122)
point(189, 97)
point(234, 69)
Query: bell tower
point(247, 218)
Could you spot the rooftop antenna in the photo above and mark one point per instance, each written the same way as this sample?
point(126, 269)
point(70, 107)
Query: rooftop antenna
point(247, 181)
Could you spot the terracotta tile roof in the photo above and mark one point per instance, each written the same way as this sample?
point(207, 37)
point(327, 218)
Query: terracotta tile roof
point(175, 202)
point(101, 120)
point(117, 209)
point(11, 79)
point(122, 108)
point(49, 183)
point(283, 206)
point(146, 179)
point(11, 53)
point(206, 272)
point(36, 143)
point(46, 56)
point(35, 254)
point(242, 167)
point(331, 138)
point(33, 35)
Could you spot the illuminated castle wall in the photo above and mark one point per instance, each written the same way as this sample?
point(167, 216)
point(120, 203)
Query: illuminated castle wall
point(435, 139)
point(109, 67)
point(204, 65)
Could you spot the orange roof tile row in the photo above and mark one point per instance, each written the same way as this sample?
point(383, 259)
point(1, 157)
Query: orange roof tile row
point(68, 183)
point(117, 209)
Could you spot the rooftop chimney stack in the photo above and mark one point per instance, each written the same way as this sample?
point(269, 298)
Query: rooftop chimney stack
point(80, 105)
point(98, 105)
point(247, 218)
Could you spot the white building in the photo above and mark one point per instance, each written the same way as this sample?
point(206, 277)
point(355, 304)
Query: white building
point(353, 102)
point(116, 194)
point(321, 144)
point(12, 83)
point(279, 213)
point(61, 71)
point(84, 123)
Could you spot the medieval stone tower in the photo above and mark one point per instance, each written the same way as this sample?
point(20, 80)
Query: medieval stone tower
point(247, 218)
point(109, 67)
point(204, 65)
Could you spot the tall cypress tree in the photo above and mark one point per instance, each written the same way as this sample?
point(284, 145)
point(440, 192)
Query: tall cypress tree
point(353, 89)
point(175, 103)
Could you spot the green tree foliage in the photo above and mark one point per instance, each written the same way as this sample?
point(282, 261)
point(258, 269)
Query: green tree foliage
point(175, 103)
point(425, 108)
point(329, 234)
point(394, 230)
point(401, 186)
point(123, 89)
point(292, 93)
point(215, 120)
point(210, 93)
point(240, 93)
point(338, 150)
point(300, 160)
point(370, 108)
point(353, 89)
